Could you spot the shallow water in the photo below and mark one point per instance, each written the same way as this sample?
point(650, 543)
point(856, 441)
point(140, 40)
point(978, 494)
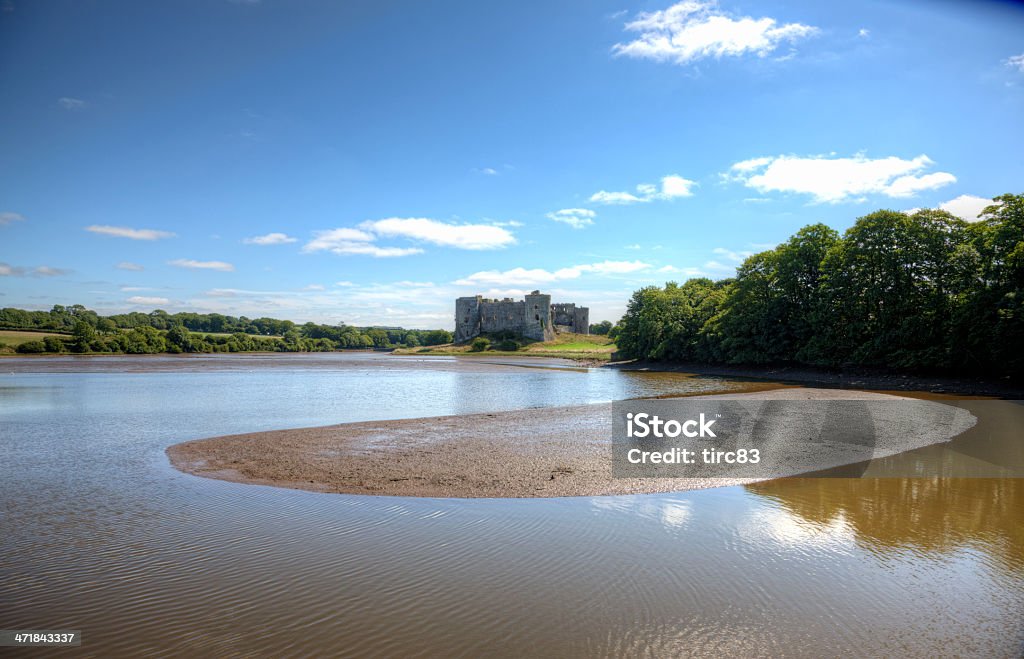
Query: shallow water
point(98, 533)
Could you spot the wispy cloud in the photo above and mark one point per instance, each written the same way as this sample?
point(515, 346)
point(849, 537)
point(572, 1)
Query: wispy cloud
point(270, 239)
point(461, 236)
point(128, 232)
point(72, 104)
point(361, 240)
point(1015, 62)
point(736, 257)
point(672, 186)
point(192, 264)
point(128, 265)
point(692, 30)
point(348, 241)
point(828, 179)
point(147, 301)
point(540, 276)
point(10, 218)
point(577, 218)
point(7, 270)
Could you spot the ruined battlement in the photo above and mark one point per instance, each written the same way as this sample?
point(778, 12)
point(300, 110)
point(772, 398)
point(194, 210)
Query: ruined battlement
point(534, 317)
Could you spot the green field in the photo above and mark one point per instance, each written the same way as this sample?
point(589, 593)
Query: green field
point(589, 347)
point(17, 337)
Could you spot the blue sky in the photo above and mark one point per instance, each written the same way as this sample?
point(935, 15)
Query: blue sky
point(367, 162)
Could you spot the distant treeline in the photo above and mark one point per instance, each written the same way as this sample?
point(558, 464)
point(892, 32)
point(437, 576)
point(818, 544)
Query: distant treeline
point(158, 331)
point(925, 291)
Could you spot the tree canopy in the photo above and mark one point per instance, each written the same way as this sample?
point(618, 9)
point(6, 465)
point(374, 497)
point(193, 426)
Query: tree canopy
point(919, 291)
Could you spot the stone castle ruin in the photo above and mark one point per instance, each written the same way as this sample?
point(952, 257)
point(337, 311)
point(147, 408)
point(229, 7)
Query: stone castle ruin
point(533, 318)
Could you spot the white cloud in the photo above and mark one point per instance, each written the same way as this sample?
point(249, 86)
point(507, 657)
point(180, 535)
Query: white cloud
point(461, 236)
point(489, 171)
point(143, 300)
point(10, 218)
point(692, 30)
point(752, 164)
point(1016, 62)
point(967, 207)
point(538, 276)
point(192, 264)
point(344, 284)
point(577, 218)
point(127, 232)
point(361, 241)
point(672, 186)
point(69, 103)
point(128, 265)
point(270, 239)
point(864, 33)
point(314, 287)
point(832, 180)
point(347, 241)
point(605, 197)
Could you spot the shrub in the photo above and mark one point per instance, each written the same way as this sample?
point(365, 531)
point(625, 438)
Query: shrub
point(479, 345)
point(508, 345)
point(32, 347)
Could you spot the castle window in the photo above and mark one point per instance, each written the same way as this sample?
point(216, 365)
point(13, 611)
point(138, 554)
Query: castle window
point(536, 317)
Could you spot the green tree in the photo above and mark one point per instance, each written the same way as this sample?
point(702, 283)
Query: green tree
point(84, 334)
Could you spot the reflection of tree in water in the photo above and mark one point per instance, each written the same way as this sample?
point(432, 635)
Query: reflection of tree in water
point(923, 514)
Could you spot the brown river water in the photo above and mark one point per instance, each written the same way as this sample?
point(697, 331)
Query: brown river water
point(98, 533)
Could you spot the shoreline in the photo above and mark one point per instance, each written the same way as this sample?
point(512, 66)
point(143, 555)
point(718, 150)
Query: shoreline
point(533, 453)
point(845, 379)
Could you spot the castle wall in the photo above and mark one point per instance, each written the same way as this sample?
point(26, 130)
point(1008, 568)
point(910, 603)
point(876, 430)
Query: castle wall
point(503, 316)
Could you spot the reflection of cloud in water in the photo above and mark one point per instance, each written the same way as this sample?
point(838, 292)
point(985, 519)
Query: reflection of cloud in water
point(782, 527)
point(670, 513)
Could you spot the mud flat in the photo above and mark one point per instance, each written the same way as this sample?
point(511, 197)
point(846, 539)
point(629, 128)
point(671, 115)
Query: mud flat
point(546, 452)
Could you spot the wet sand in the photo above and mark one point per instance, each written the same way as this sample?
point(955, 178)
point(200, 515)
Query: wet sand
point(546, 452)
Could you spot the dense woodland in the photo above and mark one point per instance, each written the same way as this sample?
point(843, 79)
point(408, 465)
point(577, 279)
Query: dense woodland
point(925, 292)
point(158, 331)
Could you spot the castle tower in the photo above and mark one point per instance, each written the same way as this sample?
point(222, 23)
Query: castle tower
point(467, 318)
point(537, 324)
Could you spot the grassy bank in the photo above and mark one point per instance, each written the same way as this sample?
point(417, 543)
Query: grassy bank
point(583, 347)
point(17, 337)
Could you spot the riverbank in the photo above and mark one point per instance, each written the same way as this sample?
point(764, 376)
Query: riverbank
point(874, 380)
point(546, 452)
